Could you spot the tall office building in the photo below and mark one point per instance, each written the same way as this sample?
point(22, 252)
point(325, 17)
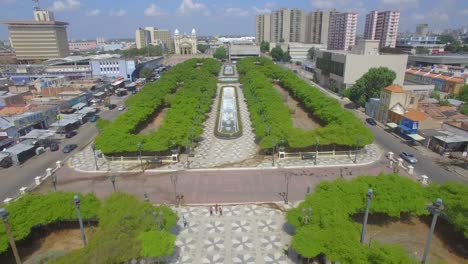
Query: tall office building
point(422, 29)
point(317, 24)
point(287, 25)
point(39, 39)
point(342, 31)
point(382, 26)
point(262, 28)
point(162, 36)
point(142, 38)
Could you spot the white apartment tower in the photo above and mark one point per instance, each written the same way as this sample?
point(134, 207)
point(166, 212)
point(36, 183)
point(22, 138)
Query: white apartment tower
point(262, 28)
point(382, 26)
point(287, 25)
point(342, 31)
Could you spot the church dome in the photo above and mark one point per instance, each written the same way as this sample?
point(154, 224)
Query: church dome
point(193, 31)
point(176, 32)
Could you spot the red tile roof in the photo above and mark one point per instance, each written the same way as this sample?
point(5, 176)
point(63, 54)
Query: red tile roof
point(395, 88)
point(416, 115)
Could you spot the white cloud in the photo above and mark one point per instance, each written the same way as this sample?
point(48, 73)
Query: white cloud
point(153, 10)
point(236, 11)
point(261, 10)
point(94, 12)
point(399, 2)
point(464, 11)
point(117, 13)
point(189, 6)
point(66, 5)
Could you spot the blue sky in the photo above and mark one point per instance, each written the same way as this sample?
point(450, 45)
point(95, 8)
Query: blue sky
point(120, 18)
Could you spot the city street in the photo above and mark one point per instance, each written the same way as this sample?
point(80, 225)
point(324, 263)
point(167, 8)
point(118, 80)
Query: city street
point(15, 177)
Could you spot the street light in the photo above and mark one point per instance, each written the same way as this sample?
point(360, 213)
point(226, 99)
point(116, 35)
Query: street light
point(76, 200)
point(112, 179)
point(435, 209)
point(4, 215)
point(139, 155)
point(54, 182)
point(306, 215)
point(358, 140)
point(174, 179)
point(93, 147)
point(366, 214)
point(317, 142)
point(159, 218)
point(273, 150)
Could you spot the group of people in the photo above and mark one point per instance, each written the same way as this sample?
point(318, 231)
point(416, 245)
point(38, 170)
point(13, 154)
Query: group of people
point(216, 209)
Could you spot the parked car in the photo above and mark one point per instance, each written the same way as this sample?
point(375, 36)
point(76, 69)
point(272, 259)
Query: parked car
point(70, 134)
point(112, 106)
point(408, 157)
point(54, 147)
point(122, 107)
point(69, 148)
point(371, 121)
point(93, 118)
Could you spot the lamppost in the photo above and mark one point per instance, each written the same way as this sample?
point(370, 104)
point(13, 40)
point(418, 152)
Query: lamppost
point(112, 179)
point(317, 142)
point(4, 215)
point(159, 218)
point(174, 179)
point(435, 209)
point(273, 150)
point(306, 215)
point(139, 155)
point(93, 147)
point(188, 150)
point(366, 214)
point(76, 200)
point(358, 140)
point(54, 181)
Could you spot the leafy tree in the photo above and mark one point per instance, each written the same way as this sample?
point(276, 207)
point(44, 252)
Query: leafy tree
point(454, 46)
point(277, 54)
point(464, 109)
point(444, 39)
point(444, 102)
point(422, 50)
point(264, 46)
point(435, 95)
point(202, 47)
point(286, 56)
point(146, 73)
point(157, 243)
point(371, 84)
point(311, 53)
point(220, 53)
point(463, 96)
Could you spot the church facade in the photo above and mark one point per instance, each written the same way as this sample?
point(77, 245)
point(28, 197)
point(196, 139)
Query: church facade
point(184, 44)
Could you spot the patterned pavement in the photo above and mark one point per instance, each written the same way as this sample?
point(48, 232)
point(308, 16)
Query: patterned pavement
point(243, 234)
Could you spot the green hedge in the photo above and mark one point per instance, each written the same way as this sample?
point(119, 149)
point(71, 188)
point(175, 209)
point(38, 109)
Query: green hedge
point(41, 209)
point(333, 204)
point(127, 230)
point(187, 88)
point(268, 110)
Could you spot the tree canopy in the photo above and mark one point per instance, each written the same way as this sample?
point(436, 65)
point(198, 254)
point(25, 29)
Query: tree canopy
point(146, 73)
point(277, 54)
point(264, 46)
point(444, 39)
point(311, 53)
point(220, 53)
point(371, 84)
point(151, 50)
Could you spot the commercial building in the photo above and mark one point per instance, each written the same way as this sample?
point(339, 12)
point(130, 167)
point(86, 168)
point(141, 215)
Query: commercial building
point(142, 38)
point(154, 36)
point(163, 37)
point(82, 46)
point(238, 51)
point(112, 67)
point(382, 26)
point(446, 59)
point(262, 28)
point(394, 103)
point(443, 82)
point(41, 39)
point(342, 31)
point(298, 51)
point(339, 70)
point(422, 29)
point(410, 44)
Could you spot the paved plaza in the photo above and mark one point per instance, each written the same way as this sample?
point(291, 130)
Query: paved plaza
point(243, 234)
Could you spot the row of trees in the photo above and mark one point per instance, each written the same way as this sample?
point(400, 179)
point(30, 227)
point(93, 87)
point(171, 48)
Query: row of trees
point(279, 55)
point(187, 89)
point(332, 231)
point(271, 117)
point(220, 53)
point(150, 50)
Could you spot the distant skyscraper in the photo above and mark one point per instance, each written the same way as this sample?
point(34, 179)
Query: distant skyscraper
point(342, 31)
point(422, 29)
point(382, 26)
point(317, 24)
point(262, 28)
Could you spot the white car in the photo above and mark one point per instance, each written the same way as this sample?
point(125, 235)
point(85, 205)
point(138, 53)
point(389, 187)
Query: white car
point(121, 108)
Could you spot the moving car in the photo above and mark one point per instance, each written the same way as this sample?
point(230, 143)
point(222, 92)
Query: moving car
point(54, 147)
point(122, 107)
point(70, 134)
point(408, 157)
point(69, 148)
point(371, 121)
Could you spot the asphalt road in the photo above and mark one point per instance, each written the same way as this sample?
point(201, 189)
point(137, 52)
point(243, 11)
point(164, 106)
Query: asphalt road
point(15, 177)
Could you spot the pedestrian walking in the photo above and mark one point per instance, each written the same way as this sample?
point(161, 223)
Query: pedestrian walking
point(216, 208)
point(211, 210)
point(220, 211)
point(184, 221)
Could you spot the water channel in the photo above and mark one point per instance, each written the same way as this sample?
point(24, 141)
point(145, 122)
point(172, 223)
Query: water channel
point(228, 123)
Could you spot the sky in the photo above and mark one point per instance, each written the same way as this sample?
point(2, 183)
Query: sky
point(120, 18)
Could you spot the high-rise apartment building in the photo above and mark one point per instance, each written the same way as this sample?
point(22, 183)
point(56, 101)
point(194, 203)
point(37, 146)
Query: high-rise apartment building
point(342, 31)
point(142, 38)
point(151, 35)
point(287, 25)
point(262, 28)
point(422, 30)
point(382, 26)
point(39, 39)
point(317, 24)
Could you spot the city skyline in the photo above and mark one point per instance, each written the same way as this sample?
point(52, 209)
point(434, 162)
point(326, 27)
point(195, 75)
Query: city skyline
point(90, 19)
